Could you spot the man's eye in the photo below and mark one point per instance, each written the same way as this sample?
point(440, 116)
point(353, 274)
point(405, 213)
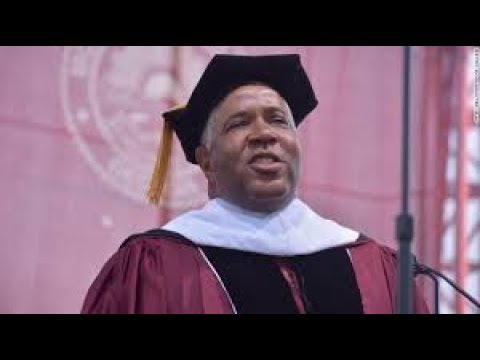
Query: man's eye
point(279, 120)
point(237, 124)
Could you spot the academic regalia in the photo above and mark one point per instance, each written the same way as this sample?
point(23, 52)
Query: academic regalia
point(163, 272)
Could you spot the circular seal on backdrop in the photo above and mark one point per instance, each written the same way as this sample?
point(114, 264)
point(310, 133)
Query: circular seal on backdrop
point(112, 98)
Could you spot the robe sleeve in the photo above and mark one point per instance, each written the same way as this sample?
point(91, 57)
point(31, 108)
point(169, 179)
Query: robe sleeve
point(389, 258)
point(132, 281)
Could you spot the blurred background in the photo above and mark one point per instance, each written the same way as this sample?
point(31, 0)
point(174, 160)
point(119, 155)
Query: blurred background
point(80, 126)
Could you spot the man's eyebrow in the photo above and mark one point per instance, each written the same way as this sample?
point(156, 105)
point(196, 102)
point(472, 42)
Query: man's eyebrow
point(273, 109)
point(238, 114)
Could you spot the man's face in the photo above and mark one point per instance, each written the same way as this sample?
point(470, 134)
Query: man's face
point(253, 159)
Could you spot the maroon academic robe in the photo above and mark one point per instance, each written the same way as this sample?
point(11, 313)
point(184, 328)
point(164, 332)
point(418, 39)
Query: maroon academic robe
point(163, 275)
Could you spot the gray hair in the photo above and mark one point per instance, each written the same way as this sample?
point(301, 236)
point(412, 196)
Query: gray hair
point(207, 136)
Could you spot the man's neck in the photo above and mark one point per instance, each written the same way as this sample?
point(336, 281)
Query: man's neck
point(256, 211)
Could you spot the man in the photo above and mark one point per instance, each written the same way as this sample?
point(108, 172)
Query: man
point(255, 247)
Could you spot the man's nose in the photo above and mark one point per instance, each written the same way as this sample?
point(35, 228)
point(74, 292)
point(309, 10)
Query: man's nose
point(262, 134)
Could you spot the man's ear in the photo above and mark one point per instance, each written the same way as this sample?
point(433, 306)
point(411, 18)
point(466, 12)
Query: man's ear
point(204, 160)
point(202, 156)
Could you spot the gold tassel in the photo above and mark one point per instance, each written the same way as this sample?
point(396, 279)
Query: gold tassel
point(159, 175)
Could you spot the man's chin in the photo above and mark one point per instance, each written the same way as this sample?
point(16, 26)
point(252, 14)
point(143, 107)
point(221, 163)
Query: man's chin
point(272, 189)
point(269, 201)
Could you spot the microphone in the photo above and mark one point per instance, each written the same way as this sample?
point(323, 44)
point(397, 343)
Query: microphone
point(421, 269)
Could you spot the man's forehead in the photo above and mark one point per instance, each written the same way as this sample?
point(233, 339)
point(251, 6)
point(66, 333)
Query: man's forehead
point(253, 93)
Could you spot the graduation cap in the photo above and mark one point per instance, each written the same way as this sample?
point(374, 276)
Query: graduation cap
point(283, 73)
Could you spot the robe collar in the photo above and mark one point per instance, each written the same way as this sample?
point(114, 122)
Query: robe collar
point(294, 230)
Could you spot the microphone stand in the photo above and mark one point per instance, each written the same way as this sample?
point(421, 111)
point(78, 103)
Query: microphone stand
point(404, 221)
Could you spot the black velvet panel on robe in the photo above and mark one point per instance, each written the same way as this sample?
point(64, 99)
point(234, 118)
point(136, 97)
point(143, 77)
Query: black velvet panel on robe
point(256, 285)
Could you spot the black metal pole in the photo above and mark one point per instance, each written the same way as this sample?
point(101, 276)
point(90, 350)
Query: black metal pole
point(404, 221)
